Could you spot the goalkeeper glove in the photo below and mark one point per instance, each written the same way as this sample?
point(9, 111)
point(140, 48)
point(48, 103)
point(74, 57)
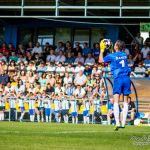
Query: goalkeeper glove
point(102, 46)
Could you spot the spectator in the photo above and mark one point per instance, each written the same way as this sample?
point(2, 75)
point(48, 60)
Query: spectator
point(21, 58)
point(30, 77)
point(4, 78)
point(69, 90)
point(79, 67)
point(60, 47)
point(4, 50)
point(79, 59)
point(67, 79)
point(43, 80)
point(147, 61)
point(89, 60)
point(70, 68)
point(139, 39)
point(47, 48)
point(49, 89)
point(68, 47)
point(60, 57)
point(2, 57)
point(51, 57)
point(96, 50)
point(31, 66)
point(86, 50)
point(60, 69)
point(131, 110)
point(51, 80)
point(77, 49)
point(130, 61)
point(20, 87)
point(87, 70)
point(147, 41)
point(50, 67)
point(41, 68)
point(13, 57)
point(145, 50)
point(69, 58)
point(11, 48)
point(21, 49)
point(29, 47)
point(139, 71)
point(80, 79)
point(79, 92)
point(138, 59)
point(37, 49)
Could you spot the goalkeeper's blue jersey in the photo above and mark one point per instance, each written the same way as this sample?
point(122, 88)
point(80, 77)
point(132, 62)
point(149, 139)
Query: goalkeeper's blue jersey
point(118, 63)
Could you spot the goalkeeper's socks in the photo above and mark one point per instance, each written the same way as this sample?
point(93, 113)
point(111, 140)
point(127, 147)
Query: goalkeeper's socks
point(116, 114)
point(125, 112)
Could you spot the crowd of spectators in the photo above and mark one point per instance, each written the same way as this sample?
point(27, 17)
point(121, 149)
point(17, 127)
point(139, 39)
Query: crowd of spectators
point(34, 68)
point(64, 69)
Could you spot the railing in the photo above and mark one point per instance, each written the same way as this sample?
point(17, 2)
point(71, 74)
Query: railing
point(75, 9)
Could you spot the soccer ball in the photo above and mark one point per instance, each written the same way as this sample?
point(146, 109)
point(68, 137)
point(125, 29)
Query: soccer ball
point(108, 43)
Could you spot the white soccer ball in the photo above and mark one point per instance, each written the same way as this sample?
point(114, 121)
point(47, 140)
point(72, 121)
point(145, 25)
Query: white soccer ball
point(108, 43)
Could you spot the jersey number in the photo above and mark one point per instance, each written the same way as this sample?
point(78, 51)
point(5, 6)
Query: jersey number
point(122, 63)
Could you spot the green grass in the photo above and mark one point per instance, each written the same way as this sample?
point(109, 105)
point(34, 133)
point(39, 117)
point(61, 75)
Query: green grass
point(46, 136)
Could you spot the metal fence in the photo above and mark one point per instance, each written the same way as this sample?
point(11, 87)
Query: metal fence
point(56, 110)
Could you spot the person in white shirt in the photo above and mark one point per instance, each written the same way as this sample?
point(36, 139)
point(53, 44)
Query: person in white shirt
point(79, 92)
point(80, 78)
point(65, 108)
point(47, 106)
point(67, 79)
point(21, 102)
point(31, 101)
point(60, 57)
point(89, 60)
point(37, 49)
point(79, 67)
point(2, 57)
point(139, 71)
point(69, 68)
point(50, 67)
point(86, 108)
point(79, 59)
point(57, 106)
point(59, 89)
point(145, 50)
point(74, 110)
point(60, 69)
point(51, 57)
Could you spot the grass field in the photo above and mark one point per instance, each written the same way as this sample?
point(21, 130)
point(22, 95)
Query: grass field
point(46, 136)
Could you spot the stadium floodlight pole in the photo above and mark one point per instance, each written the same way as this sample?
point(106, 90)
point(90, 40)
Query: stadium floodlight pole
point(22, 5)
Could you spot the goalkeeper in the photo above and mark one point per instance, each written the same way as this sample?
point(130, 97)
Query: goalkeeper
point(121, 75)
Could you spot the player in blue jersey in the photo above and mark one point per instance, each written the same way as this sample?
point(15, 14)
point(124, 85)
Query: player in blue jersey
point(121, 73)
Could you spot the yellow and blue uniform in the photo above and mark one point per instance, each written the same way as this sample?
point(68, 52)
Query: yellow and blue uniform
point(121, 72)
